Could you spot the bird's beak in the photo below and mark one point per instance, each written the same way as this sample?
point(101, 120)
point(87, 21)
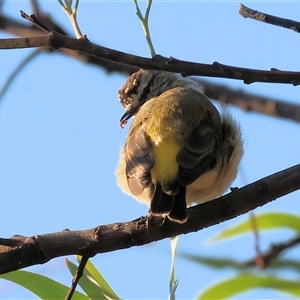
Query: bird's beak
point(127, 115)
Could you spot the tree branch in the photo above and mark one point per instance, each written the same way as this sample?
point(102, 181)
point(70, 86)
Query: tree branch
point(221, 93)
point(247, 12)
point(17, 28)
point(58, 41)
point(265, 259)
point(250, 102)
point(77, 276)
point(27, 251)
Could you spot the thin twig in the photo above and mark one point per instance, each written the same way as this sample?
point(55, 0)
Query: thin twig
point(72, 14)
point(33, 19)
point(145, 24)
point(247, 12)
point(259, 261)
point(17, 70)
point(77, 276)
point(273, 253)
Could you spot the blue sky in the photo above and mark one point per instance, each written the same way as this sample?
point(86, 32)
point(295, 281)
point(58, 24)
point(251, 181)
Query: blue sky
point(60, 135)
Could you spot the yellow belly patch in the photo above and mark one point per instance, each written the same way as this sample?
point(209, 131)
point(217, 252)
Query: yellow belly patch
point(165, 166)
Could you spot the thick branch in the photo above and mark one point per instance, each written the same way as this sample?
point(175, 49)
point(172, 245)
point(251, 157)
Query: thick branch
point(221, 93)
point(104, 56)
point(105, 238)
point(251, 102)
point(57, 41)
point(247, 12)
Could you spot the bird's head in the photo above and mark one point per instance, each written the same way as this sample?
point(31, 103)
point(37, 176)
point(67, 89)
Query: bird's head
point(144, 85)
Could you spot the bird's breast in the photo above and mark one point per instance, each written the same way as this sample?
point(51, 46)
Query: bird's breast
point(166, 128)
point(165, 167)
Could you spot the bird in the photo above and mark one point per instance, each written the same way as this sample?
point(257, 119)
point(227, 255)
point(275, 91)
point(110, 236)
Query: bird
point(179, 150)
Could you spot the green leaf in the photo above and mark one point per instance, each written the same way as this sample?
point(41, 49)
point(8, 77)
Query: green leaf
point(89, 285)
point(97, 276)
point(285, 264)
point(246, 282)
point(222, 263)
point(266, 221)
point(218, 263)
point(43, 287)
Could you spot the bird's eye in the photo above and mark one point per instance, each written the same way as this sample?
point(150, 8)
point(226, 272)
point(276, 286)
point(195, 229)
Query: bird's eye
point(146, 90)
point(145, 94)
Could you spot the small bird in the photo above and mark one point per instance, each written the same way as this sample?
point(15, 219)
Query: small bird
point(179, 150)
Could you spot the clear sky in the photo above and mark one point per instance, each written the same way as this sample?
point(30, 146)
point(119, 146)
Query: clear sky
point(60, 135)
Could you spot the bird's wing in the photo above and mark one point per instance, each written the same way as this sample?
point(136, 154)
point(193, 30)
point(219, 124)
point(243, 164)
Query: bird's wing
point(198, 154)
point(139, 160)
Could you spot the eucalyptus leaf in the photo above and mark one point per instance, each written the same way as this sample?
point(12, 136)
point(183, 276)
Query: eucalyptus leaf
point(43, 287)
point(266, 221)
point(245, 282)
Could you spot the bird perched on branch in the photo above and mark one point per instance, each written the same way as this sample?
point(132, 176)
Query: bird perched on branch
point(179, 150)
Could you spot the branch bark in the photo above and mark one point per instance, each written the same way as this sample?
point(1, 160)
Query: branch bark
point(247, 102)
point(247, 12)
point(57, 41)
point(250, 102)
point(19, 252)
